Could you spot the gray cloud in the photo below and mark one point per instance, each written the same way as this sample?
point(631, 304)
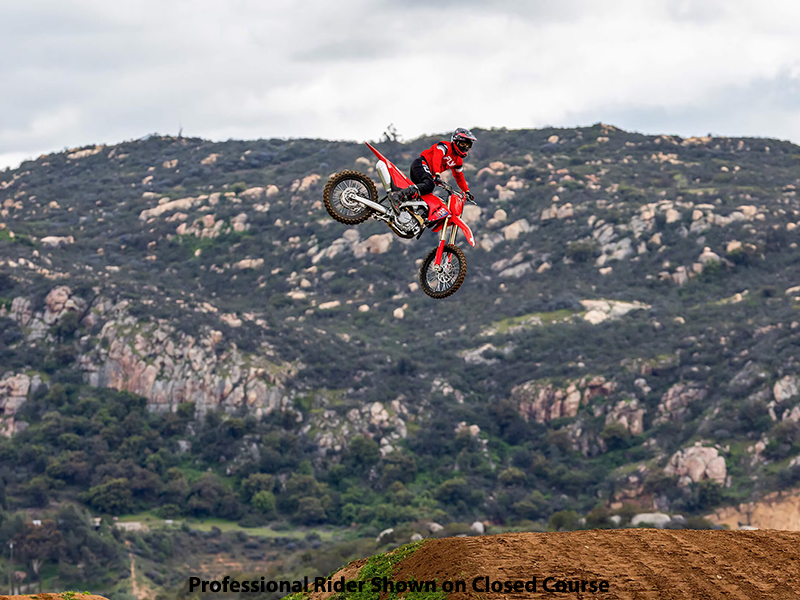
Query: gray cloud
point(76, 72)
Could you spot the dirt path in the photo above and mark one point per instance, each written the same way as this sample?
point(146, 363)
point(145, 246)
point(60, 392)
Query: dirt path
point(134, 585)
point(137, 591)
point(638, 564)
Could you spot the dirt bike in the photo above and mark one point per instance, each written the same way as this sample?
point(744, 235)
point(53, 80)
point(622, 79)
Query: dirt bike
point(352, 198)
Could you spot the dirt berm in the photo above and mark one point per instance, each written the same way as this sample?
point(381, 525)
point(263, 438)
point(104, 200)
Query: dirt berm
point(635, 563)
point(45, 596)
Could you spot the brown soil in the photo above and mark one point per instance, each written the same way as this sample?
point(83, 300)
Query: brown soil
point(638, 564)
point(45, 596)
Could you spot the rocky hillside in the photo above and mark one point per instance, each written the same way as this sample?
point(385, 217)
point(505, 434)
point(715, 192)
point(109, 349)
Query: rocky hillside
point(625, 340)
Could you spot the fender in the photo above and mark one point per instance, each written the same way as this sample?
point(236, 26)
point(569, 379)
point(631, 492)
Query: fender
point(464, 228)
point(398, 179)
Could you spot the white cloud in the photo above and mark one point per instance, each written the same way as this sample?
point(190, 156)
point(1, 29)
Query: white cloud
point(85, 71)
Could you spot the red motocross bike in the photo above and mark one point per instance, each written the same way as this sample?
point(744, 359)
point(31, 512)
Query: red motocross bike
point(352, 198)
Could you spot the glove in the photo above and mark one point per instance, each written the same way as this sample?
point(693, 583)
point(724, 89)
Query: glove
point(437, 180)
point(469, 197)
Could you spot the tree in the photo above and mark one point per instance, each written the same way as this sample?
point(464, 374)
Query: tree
point(39, 542)
point(309, 511)
point(390, 134)
point(264, 502)
point(362, 453)
point(512, 476)
point(257, 482)
point(563, 520)
point(112, 497)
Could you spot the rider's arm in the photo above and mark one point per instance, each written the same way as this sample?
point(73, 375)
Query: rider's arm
point(458, 175)
point(438, 157)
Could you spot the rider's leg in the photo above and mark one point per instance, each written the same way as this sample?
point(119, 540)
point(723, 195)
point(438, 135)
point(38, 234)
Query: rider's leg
point(423, 184)
point(421, 175)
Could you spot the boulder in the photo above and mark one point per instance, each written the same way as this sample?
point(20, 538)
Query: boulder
point(379, 243)
point(513, 231)
point(472, 214)
point(708, 256)
point(786, 388)
point(629, 414)
point(302, 185)
point(56, 242)
point(384, 535)
point(745, 379)
point(565, 212)
point(253, 194)
point(13, 394)
point(543, 402)
point(477, 527)
point(517, 271)
point(657, 520)
point(697, 463)
point(676, 400)
point(249, 263)
point(239, 223)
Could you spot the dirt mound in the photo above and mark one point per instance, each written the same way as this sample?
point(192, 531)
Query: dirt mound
point(630, 563)
point(46, 596)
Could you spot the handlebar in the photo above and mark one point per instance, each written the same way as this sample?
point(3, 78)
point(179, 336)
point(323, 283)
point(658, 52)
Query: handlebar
point(450, 190)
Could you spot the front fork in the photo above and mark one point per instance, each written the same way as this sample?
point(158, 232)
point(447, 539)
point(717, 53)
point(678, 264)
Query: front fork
point(443, 235)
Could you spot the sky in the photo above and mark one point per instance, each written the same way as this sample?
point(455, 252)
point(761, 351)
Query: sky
point(80, 72)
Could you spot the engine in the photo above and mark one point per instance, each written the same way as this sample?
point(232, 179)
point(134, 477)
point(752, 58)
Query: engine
point(406, 224)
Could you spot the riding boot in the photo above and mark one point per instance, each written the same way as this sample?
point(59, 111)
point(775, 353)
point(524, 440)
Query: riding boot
point(397, 198)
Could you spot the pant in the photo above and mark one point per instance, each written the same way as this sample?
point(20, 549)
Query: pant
point(421, 175)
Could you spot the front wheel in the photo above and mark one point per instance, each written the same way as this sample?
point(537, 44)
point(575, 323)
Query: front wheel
point(341, 197)
point(444, 281)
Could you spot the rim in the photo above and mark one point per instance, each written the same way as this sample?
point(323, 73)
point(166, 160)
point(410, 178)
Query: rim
point(342, 203)
point(443, 279)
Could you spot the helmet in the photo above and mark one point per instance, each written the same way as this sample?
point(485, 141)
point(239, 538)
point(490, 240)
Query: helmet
point(462, 141)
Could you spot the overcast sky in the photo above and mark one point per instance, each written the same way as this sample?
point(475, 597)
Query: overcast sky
point(78, 72)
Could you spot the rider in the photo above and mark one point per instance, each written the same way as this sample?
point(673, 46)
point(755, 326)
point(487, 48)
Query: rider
point(438, 158)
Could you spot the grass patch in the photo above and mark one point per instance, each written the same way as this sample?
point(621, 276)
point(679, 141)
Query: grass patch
point(382, 565)
point(515, 324)
point(225, 526)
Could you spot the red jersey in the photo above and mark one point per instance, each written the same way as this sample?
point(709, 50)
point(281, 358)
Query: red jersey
point(441, 157)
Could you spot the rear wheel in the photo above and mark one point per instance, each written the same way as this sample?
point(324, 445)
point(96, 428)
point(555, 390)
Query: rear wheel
point(341, 193)
point(444, 281)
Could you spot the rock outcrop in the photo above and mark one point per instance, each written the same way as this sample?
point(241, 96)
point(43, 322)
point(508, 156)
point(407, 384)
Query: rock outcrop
point(629, 414)
point(14, 391)
point(697, 463)
point(598, 311)
point(786, 388)
point(676, 400)
point(153, 360)
point(543, 402)
point(383, 422)
point(35, 324)
point(778, 510)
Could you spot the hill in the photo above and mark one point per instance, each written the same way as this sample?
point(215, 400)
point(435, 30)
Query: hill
point(615, 564)
point(185, 334)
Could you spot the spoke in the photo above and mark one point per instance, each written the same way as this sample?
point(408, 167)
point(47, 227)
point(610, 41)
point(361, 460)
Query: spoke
point(349, 187)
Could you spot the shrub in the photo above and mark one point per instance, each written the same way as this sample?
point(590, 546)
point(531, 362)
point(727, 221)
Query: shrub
point(563, 520)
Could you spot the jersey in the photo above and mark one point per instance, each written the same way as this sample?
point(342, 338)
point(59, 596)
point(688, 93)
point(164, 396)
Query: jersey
point(440, 157)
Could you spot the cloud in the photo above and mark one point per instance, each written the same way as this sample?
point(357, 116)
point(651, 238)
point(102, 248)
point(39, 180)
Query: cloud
point(77, 72)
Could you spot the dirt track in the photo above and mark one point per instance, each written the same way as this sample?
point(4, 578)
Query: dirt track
point(636, 563)
point(46, 596)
